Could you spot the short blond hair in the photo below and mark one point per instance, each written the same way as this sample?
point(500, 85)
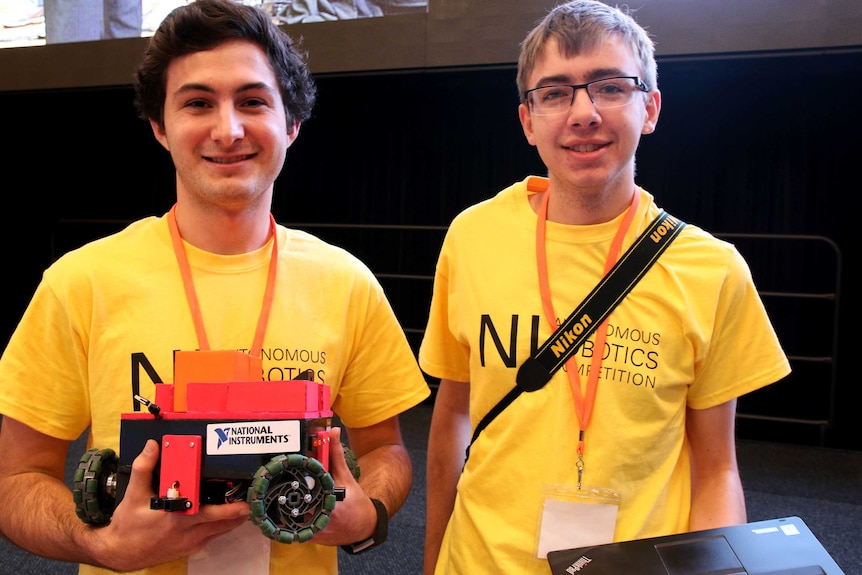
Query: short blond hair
point(581, 25)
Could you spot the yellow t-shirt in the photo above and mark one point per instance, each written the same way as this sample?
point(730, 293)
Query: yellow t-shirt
point(106, 318)
point(692, 333)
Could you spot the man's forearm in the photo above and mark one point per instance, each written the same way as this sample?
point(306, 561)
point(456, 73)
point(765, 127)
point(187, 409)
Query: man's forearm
point(718, 502)
point(387, 475)
point(39, 516)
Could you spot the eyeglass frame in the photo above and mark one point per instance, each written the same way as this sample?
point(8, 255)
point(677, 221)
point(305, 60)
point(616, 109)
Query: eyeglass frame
point(639, 84)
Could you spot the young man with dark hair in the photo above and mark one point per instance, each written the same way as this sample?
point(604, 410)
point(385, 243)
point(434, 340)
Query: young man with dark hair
point(225, 92)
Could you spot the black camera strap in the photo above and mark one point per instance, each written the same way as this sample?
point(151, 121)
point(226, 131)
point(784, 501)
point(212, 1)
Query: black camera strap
point(538, 369)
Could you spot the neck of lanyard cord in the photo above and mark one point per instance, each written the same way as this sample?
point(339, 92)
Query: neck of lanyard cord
point(191, 295)
point(583, 403)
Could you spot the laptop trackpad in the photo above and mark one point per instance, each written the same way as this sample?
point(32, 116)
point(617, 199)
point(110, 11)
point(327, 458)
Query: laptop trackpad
point(700, 556)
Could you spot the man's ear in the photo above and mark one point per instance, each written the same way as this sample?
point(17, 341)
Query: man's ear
point(159, 133)
point(526, 123)
point(293, 132)
point(653, 107)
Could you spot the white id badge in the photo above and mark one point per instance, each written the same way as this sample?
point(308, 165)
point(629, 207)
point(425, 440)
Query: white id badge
point(573, 517)
point(244, 550)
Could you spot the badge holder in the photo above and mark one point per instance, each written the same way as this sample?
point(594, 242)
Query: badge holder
point(575, 517)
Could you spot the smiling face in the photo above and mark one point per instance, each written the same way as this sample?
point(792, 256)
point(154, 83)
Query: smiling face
point(225, 126)
point(588, 149)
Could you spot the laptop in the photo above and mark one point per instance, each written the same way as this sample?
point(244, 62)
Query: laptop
point(783, 546)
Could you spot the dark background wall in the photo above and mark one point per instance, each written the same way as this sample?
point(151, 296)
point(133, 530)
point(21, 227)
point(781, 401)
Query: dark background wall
point(747, 143)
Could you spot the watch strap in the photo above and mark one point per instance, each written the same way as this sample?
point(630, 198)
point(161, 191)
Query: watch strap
point(380, 532)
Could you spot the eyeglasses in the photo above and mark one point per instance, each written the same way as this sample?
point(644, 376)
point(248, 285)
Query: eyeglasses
point(605, 93)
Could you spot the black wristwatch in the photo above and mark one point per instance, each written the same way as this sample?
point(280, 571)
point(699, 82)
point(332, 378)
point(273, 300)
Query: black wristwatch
point(379, 535)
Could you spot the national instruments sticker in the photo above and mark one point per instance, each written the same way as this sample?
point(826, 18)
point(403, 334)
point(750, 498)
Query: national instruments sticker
point(247, 437)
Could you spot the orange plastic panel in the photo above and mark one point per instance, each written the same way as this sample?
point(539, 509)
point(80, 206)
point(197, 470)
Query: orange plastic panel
point(211, 367)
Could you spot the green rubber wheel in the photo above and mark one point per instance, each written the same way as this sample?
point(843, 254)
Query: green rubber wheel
point(352, 461)
point(92, 486)
point(291, 498)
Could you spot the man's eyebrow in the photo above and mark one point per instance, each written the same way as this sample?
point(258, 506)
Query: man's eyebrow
point(554, 80)
point(605, 73)
point(193, 87)
point(256, 86)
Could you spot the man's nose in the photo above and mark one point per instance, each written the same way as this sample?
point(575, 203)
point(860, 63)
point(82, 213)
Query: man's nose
point(228, 126)
point(583, 110)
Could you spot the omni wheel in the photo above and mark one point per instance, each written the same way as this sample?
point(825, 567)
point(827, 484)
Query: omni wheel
point(94, 486)
point(291, 498)
point(352, 461)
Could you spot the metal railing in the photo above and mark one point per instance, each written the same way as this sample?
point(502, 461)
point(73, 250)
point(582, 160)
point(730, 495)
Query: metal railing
point(831, 295)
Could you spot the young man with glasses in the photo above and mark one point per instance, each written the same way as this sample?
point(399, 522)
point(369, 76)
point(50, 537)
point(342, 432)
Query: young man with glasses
point(633, 434)
point(225, 91)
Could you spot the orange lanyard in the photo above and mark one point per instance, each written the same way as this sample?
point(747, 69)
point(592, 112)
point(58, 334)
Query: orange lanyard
point(583, 403)
point(191, 295)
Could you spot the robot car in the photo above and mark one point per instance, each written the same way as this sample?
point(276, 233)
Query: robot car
point(225, 436)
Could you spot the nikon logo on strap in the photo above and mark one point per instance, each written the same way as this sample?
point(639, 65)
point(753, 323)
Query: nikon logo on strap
point(569, 337)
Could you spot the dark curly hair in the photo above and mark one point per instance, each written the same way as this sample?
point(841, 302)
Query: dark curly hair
point(204, 25)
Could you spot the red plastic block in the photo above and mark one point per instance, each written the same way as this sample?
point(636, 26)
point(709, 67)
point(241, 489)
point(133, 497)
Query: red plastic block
point(181, 467)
